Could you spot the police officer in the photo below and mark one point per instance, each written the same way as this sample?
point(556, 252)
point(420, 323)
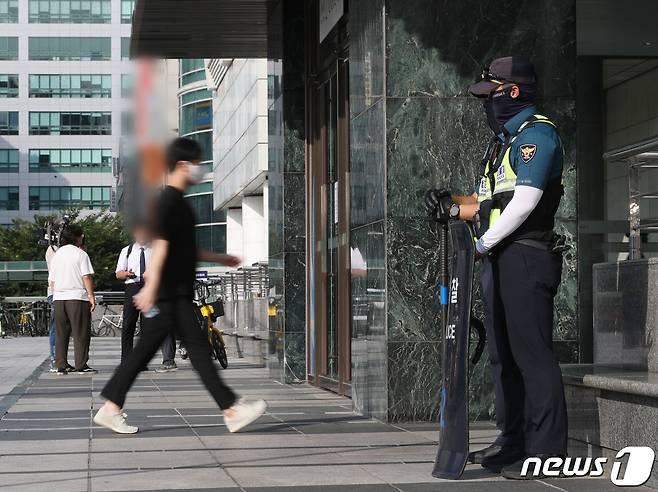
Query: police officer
point(515, 206)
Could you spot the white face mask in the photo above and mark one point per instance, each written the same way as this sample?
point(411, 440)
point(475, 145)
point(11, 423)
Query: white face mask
point(195, 173)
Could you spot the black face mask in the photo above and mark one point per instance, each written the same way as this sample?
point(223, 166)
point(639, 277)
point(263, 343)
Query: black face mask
point(500, 107)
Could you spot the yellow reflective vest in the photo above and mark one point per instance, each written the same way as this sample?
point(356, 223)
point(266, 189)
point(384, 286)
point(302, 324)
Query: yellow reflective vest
point(499, 179)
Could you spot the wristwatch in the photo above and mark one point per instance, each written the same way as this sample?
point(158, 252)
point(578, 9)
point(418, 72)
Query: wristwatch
point(454, 211)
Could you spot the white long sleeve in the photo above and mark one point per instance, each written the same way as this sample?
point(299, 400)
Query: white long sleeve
point(521, 205)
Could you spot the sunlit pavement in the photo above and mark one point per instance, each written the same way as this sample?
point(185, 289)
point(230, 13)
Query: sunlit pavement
point(310, 440)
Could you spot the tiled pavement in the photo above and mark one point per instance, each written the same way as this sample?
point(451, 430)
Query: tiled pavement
point(309, 441)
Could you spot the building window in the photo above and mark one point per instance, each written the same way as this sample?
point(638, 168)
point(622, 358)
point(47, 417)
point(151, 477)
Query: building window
point(8, 48)
point(87, 123)
point(127, 7)
point(193, 96)
point(191, 70)
point(205, 140)
point(84, 86)
point(203, 209)
point(70, 160)
point(127, 85)
point(191, 65)
point(211, 237)
point(8, 122)
point(200, 188)
point(8, 160)
point(127, 123)
point(63, 197)
point(8, 11)
point(192, 77)
point(125, 48)
point(8, 85)
point(71, 11)
point(70, 49)
point(196, 117)
point(8, 197)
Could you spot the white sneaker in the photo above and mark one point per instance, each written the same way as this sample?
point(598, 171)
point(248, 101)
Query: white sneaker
point(115, 422)
point(244, 414)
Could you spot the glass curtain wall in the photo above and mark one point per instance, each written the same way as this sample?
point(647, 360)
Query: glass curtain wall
point(195, 122)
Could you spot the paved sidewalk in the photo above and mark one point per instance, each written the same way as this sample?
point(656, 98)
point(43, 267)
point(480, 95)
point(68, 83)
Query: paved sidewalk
point(19, 358)
point(309, 441)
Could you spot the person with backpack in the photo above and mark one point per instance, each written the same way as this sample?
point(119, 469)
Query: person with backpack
point(131, 266)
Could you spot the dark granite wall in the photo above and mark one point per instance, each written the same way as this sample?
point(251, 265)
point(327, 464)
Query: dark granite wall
point(413, 127)
point(287, 347)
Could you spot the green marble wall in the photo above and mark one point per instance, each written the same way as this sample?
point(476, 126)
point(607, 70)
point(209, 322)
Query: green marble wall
point(287, 347)
point(413, 128)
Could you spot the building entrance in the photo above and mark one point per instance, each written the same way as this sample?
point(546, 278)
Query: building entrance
point(329, 219)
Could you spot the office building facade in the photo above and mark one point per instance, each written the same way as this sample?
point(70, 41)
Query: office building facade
point(240, 146)
point(64, 87)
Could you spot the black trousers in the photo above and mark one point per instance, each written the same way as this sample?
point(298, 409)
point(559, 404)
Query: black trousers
point(130, 316)
point(175, 317)
point(519, 284)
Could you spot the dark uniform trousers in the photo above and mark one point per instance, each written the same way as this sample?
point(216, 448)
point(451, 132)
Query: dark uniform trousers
point(72, 318)
point(130, 316)
point(519, 284)
point(175, 317)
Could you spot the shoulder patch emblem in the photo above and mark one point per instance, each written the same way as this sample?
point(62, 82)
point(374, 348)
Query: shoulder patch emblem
point(527, 152)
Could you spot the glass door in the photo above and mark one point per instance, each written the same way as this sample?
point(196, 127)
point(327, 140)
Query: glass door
point(331, 220)
point(329, 181)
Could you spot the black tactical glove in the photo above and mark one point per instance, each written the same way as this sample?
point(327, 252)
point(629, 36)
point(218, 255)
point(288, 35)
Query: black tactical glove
point(438, 203)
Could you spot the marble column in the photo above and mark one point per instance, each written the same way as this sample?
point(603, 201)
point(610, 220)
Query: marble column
point(287, 347)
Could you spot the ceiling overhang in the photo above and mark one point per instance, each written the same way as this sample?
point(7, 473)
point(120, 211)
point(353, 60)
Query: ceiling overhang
point(200, 28)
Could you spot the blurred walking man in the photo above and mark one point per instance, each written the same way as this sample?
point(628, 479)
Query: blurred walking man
point(133, 262)
point(167, 297)
point(73, 296)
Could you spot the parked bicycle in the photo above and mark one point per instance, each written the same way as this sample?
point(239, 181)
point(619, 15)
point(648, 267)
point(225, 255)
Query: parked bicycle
point(207, 315)
point(26, 321)
point(109, 324)
point(24, 318)
point(5, 322)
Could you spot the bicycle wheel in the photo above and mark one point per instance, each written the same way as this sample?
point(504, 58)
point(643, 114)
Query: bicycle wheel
point(96, 329)
point(218, 349)
point(111, 330)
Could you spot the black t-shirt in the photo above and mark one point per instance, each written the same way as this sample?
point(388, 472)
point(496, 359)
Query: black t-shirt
point(175, 224)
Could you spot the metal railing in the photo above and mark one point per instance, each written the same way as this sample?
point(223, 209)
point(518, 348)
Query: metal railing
point(638, 157)
point(242, 284)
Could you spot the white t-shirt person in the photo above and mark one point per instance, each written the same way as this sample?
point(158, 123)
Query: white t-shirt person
point(67, 267)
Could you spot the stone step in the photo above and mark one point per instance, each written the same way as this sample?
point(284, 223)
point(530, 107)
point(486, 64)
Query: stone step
point(609, 409)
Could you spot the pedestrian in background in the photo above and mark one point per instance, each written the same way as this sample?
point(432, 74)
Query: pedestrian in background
point(131, 266)
point(73, 297)
point(50, 252)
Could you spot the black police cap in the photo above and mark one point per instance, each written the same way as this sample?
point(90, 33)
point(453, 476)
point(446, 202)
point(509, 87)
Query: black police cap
point(515, 69)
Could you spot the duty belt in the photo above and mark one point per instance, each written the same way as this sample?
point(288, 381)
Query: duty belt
point(557, 245)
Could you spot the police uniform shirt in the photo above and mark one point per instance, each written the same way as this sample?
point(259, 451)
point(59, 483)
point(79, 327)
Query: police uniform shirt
point(126, 263)
point(536, 161)
point(536, 154)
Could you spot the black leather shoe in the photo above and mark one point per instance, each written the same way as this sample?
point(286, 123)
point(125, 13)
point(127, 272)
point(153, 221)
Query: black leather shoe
point(505, 457)
point(513, 471)
point(482, 454)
